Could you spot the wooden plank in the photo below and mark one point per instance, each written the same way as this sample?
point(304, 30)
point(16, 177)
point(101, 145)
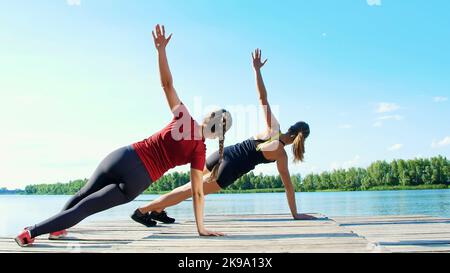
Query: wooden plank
point(402, 233)
point(255, 233)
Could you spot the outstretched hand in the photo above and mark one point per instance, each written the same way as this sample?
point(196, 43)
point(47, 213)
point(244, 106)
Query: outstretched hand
point(208, 233)
point(257, 64)
point(304, 217)
point(159, 37)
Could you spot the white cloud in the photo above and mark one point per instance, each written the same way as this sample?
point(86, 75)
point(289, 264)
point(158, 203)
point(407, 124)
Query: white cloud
point(346, 164)
point(386, 107)
point(378, 124)
point(379, 121)
point(73, 2)
point(395, 147)
point(442, 143)
point(374, 2)
point(345, 126)
point(392, 117)
point(440, 99)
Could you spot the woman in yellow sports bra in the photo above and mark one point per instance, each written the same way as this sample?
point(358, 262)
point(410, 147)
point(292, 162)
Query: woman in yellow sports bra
point(231, 162)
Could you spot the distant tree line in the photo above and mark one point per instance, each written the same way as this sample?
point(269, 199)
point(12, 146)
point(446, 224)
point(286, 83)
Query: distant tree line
point(381, 174)
point(56, 189)
point(398, 173)
point(169, 182)
point(248, 181)
point(6, 191)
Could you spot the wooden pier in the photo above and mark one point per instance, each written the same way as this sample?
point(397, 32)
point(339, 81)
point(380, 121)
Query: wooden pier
point(256, 233)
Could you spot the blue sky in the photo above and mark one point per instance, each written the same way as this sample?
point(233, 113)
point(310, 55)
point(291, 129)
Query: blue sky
point(79, 78)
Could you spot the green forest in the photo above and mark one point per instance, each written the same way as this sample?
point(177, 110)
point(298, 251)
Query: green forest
point(381, 175)
point(398, 174)
point(248, 182)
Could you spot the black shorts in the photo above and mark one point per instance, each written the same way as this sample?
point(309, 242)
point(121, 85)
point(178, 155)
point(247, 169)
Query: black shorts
point(228, 171)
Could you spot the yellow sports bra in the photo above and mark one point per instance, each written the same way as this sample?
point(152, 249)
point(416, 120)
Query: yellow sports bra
point(262, 142)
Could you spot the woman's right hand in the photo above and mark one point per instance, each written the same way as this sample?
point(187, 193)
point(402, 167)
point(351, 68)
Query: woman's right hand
point(159, 37)
point(205, 232)
point(257, 64)
point(304, 217)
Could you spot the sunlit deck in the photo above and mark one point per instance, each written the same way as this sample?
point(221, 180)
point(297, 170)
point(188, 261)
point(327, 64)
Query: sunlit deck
point(256, 233)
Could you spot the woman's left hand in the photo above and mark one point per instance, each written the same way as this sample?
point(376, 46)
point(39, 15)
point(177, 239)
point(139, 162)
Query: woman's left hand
point(209, 233)
point(159, 37)
point(257, 64)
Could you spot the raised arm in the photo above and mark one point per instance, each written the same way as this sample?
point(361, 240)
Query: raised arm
point(199, 203)
point(159, 37)
point(271, 121)
point(283, 169)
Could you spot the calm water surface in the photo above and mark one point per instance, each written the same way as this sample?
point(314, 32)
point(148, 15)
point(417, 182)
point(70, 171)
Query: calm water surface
point(17, 211)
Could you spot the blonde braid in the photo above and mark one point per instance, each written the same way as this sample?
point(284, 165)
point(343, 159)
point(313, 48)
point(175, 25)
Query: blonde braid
point(214, 172)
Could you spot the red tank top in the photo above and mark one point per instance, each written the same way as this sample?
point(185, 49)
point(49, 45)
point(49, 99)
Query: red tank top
point(175, 145)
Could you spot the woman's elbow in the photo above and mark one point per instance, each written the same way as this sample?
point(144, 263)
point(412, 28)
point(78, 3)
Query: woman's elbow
point(167, 88)
point(167, 85)
point(197, 194)
point(263, 100)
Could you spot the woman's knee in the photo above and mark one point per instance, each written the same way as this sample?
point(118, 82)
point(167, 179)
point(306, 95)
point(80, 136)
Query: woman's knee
point(131, 197)
point(108, 197)
point(128, 196)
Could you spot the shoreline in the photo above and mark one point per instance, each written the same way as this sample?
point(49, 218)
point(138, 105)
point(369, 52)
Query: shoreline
point(380, 188)
point(280, 190)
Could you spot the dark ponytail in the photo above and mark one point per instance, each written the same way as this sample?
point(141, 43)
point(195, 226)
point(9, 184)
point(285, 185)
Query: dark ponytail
point(298, 148)
point(299, 132)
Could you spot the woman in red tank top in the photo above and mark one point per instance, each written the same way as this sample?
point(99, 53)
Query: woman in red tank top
point(182, 141)
point(127, 172)
point(234, 161)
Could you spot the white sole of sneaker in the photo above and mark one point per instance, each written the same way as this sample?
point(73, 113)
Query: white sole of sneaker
point(52, 237)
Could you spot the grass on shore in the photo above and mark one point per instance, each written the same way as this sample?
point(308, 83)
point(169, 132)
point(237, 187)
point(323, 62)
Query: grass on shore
point(276, 190)
point(379, 188)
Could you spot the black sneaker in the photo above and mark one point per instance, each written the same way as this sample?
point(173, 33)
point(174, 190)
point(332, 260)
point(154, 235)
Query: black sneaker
point(162, 217)
point(144, 219)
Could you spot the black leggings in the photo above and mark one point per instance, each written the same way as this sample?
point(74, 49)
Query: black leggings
point(119, 179)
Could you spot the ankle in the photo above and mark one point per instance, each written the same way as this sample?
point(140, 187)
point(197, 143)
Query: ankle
point(142, 211)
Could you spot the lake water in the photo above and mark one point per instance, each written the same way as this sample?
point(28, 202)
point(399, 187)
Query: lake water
point(17, 211)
